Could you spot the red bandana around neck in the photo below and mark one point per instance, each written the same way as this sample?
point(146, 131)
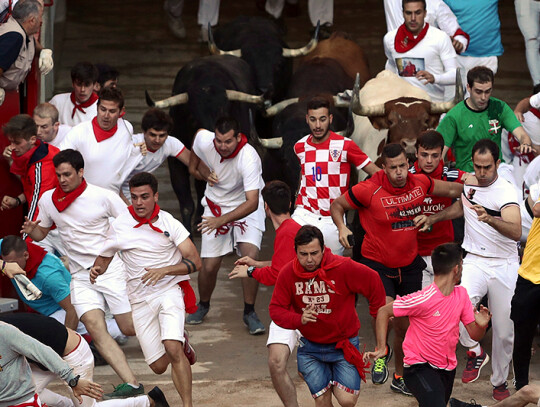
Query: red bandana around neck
point(62, 200)
point(242, 143)
point(20, 163)
point(329, 261)
point(36, 255)
point(143, 221)
point(100, 133)
point(405, 39)
point(79, 106)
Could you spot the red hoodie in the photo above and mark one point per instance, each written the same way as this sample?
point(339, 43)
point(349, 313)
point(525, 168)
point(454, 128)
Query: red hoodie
point(337, 318)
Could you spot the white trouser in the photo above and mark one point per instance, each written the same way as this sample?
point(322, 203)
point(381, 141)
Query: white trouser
point(528, 14)
point(325, 224)
point(495, 277)
point(427, 273)
point(208, 10)
point(319, 10)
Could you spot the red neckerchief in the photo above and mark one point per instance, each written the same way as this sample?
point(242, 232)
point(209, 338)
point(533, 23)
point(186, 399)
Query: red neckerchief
point(535, 111)
point(459, 31)
point(79, 106)
point(405, 39)
point(436, 174)
point(190, 301)
point(100, 133)
point(329, 261)
point(20, 163)
point(242, 143)
point(62, 200)
point(35, 257)
point(224, 229)
point(144, 221)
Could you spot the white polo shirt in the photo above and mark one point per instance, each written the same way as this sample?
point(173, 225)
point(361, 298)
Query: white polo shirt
point(84, 224)
point(236, 175)
point(141, 248)
point(107, 163)
point(65, 106)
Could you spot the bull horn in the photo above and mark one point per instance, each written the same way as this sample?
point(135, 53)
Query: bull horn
point(288, 52)
point(278, 107)
point(214, 50)
point(179, 99)
point(350, 119)
point(443, 107)
point(358, 109)
point(272, 143)
point(237, 96)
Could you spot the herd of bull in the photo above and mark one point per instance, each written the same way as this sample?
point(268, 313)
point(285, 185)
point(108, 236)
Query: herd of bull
point(249, 76)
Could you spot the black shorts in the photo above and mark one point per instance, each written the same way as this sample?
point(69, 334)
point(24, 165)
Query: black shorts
point(431, 387)
point(399, 281)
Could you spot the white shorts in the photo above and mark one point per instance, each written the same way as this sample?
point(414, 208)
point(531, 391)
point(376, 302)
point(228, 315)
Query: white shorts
point(325, 224)
point(158, 319)
point(108, 292)
point(283, 336)
point(216, 245)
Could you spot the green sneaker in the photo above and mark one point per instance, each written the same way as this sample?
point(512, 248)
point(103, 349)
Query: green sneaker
point(123, 391)
point(379, 372)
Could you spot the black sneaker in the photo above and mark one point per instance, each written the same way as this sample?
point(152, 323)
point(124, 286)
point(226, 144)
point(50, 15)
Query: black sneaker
point(457, 403)
point(398, 386)
point(198, 316)
point(159, 398)
point(379, 371)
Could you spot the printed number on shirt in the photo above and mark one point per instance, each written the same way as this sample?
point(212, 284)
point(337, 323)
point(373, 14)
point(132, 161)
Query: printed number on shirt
point(316, 173)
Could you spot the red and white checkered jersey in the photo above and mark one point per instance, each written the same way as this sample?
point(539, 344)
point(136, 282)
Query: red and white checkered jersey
point(325, 170)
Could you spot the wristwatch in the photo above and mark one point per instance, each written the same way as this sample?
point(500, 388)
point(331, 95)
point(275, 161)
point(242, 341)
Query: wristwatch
point(250, 271)
point(75, 381)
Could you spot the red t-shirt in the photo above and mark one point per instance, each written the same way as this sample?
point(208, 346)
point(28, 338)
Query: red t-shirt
point(441, 232)
point(337, 318)
point(283, 253)
point(387, 214)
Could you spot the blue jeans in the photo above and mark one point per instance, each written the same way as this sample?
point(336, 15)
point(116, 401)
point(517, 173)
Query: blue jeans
point(324, 366)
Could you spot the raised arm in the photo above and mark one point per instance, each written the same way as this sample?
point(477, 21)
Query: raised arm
point(32, 229)
point(447, 189)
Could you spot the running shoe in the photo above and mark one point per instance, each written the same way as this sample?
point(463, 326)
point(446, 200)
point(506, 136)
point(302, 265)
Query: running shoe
point(188, 350)
point(198, 316)
point(501, 392)
point(474, 366)
point(379, 371)
point(159, 398)
point(123, 391)
point(398, 386)
point(457, 403)
point(253, 323)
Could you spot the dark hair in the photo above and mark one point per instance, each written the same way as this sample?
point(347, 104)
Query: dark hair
point(226, 124)
point(69, 156)
point(306, 234)
point(392, 150)
point(277, 196)
point(23, 10)
point(480, 74)
point(318, 102)
point(20, 126)
point(445, 257)
point(13, 243)
point(430, 140)
point(403, 2)
point(84, 72)
point(484, 146)
point(113, 95)
point(156, 119)
point(106, 73)
point(144, 178)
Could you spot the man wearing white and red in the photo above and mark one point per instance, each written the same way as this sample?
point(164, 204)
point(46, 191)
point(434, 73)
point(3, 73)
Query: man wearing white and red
point(105, 142)
point(158, 287)
point(429, 148)
point(434, 314)
point(427, 48)
point(325, 167)
point(233, 211)
point(281, 342)
point(387, 205)
point(81, 213)
point(315, 293)
point(492, 227)
point(80, 104)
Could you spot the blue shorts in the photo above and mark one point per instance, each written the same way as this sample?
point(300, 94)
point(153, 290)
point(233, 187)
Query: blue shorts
point(324, 366)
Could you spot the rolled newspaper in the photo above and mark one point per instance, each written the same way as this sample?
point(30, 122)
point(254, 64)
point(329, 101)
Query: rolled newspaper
point(28, 289)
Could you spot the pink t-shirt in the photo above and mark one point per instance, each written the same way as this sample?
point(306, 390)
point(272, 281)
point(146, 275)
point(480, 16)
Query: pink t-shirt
point(434, 325)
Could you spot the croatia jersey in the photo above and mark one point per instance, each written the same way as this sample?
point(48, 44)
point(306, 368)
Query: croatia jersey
point(325, 170)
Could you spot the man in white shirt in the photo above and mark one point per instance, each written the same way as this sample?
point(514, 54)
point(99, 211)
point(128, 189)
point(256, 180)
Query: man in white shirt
point(159, 255)
point(233, 211)
point(80, 104)
point(421, 54)
point(49, 128)
point(81, 214)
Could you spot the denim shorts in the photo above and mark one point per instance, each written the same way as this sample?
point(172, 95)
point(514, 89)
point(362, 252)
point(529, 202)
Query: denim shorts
point(324, 366)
